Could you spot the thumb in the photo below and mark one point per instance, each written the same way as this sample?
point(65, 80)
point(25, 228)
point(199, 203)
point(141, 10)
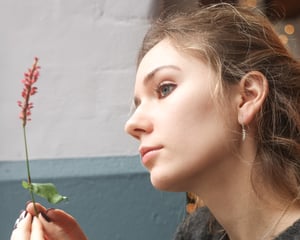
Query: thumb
point(31, 207)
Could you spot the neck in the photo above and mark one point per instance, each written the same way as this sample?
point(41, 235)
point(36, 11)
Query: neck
point(228, 192)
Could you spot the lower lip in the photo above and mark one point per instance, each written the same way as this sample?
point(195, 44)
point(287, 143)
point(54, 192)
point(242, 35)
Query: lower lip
point(149, 155)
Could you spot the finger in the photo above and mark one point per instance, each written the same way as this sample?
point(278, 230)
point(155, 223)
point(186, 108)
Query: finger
point(36, 230)
point(52, 231)
point(57, 221)
point(22, 215)
point(23, 228)
point(31, 209)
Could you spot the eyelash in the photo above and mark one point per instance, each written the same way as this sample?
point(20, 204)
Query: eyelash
point(160, 88)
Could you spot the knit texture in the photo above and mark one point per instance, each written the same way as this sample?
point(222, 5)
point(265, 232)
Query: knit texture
point(202, 226)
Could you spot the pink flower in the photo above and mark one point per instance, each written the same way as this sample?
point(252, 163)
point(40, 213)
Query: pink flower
point(29, 80)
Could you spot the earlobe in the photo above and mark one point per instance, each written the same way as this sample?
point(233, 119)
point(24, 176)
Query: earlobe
point(253, 92)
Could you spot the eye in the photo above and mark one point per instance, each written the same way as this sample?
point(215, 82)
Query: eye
point(165, 89)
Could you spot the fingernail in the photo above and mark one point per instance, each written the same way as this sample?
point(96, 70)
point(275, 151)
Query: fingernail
point(44, 215)
point(50, 209)
point(23, 214)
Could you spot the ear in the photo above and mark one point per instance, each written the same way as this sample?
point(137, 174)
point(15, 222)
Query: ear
point(254, 89)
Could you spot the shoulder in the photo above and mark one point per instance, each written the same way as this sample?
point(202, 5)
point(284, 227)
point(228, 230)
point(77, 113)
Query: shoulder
point(291, 233)
point(199, 225)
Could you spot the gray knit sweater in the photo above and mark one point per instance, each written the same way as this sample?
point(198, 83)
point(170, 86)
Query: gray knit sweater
point(201, 226)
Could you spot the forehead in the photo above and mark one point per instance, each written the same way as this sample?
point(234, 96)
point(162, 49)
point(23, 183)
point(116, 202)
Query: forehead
point(163, 53)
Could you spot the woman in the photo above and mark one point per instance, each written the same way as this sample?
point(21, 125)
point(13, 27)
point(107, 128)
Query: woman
point(217, 99)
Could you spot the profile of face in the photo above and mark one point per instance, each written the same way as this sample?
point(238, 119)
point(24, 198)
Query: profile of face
point(181, 130)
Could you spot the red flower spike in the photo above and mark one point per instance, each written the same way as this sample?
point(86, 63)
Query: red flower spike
point(33, 90)
point(45, 190)
point(31, 76)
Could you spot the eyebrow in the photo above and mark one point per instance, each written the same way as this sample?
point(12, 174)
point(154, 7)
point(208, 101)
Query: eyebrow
point(149, 77)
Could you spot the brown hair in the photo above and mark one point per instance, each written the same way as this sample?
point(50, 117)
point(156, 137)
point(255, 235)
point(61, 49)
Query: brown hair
point(235, 41)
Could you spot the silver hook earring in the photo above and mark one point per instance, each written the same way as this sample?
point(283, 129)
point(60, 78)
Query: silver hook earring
point(243, 132)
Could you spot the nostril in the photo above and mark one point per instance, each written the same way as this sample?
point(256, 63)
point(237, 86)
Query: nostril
point(137, 132)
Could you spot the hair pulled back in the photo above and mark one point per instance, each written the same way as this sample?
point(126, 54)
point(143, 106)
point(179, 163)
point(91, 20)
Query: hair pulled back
point(235, 41)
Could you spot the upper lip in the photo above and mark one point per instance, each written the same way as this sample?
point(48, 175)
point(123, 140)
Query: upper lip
point(144, 150)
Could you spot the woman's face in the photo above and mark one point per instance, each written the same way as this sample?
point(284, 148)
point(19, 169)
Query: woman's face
point(181, 132)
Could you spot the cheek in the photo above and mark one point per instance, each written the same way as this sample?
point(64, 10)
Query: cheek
point(196, 136)
point(189, 121)
point(192, 117)
point(200, 136)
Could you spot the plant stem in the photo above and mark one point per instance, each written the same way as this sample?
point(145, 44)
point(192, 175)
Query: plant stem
point(28, 171)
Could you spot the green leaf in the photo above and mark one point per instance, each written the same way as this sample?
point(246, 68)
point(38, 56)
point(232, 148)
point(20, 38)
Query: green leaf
point(45, 190)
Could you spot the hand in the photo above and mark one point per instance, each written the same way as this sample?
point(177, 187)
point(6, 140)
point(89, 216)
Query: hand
point(55, 225)
point(27, 227)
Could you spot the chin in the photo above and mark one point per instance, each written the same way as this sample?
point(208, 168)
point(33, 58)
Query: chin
point(164, 183)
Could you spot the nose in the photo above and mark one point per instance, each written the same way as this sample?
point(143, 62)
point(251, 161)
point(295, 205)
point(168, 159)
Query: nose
point(139, 124)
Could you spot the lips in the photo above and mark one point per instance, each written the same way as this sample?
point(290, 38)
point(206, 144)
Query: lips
point(147, 153)
point(144, 150)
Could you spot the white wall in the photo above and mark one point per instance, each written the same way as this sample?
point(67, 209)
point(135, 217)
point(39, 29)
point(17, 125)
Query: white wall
point(87, 51)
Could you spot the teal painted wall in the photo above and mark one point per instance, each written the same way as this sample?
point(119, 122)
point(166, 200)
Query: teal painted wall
point(111, 197)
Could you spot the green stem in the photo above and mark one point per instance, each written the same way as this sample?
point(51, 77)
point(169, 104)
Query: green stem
point(28, 171)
